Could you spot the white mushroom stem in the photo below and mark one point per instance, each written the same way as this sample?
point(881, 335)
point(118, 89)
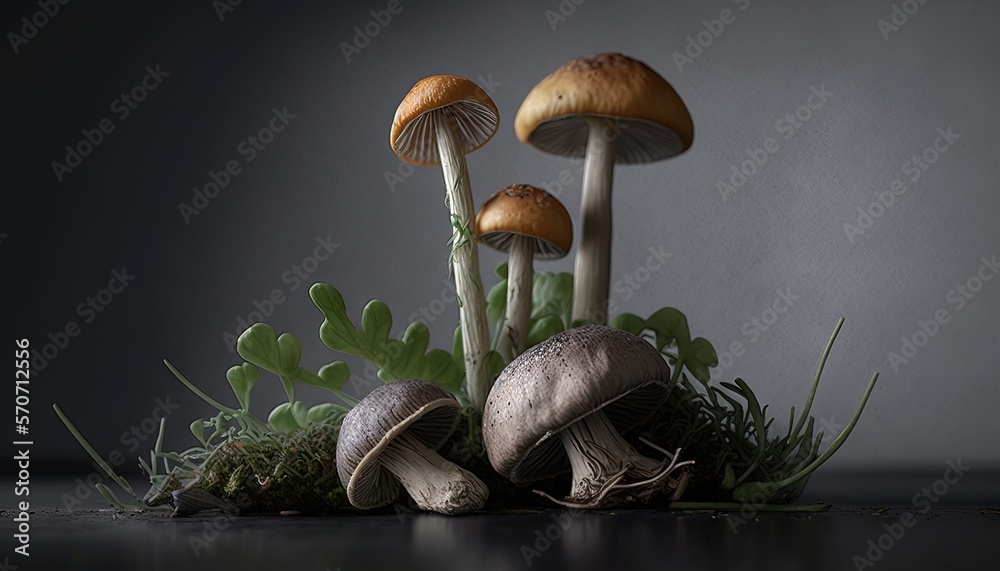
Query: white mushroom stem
point(436, 484)
point(592, 271)
point(602, 462)
point(520, 275)
point(465, 264)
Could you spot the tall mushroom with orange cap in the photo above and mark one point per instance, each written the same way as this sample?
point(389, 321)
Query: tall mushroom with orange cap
point(440, 120)
point(528, 223)
point(608, 108)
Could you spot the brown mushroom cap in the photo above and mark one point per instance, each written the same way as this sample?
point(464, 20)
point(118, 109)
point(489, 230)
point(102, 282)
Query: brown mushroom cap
point(419, 407)
point(529, 211)
point(560, 381)
point(442, 97)
point(653, 120)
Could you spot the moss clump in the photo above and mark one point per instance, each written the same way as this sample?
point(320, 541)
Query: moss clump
point(275, 472)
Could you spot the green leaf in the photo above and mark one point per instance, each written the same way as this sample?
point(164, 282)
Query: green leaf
point(552, 294)
point(289, 353)
point(496, 304)
point(323, 412)
point(259, 345)
point(669, 325)
point(282, 420)
point(198, 429)
point(501, 270)
point(628, 322)
point(278, 355)
point(243, 378)
point(300, 413)
point(335, 375)
point(700, 358)
point(337, 331)
point(729, 479)
point(397, 359)
point(376, 322)
point(542, 328)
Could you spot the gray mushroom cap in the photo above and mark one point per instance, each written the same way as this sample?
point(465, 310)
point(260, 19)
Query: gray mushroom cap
point(418, 407)
point(560, 381)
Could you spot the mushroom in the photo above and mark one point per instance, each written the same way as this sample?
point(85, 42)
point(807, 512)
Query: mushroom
point(564, 404)
point(390, 437)
point(608, 108)
point(440, 120)
point(528, 223)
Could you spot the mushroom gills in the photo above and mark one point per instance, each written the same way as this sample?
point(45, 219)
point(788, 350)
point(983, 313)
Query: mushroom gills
point(436, 484)
point(608, 471)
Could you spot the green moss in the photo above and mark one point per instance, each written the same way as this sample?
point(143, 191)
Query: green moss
point(276, 472)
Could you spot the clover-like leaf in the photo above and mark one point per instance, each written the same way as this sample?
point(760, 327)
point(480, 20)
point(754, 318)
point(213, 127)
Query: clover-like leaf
point(198, 430)
point(279, 355)
point(397, 359)
point(669, 325)
point(325, 411)
point(289, 353)
point(699, 358)
point(282, 419)
point(628, 322)
point(242, 379)
point(259, 345)
point(335, 375)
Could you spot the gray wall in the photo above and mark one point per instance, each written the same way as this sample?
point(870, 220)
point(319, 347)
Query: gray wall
point(324, 176)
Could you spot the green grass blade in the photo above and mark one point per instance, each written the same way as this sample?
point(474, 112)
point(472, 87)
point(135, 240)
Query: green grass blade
point(211, 401)
point(836, 443)
point(122, 482)
point(114, 501)
point(819, 372)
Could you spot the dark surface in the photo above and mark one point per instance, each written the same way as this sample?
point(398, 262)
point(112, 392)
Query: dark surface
point(959, 532)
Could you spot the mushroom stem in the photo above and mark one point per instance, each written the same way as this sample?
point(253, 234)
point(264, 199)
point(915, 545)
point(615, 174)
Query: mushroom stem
point(436, 484)
point(520, 275)
point(592, 271)
point(603, 462)
point(465, 263)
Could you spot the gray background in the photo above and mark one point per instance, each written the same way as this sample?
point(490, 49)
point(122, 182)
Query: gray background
point(324, 175)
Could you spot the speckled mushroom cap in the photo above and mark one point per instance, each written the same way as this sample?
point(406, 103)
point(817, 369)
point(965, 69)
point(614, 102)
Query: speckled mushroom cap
point(529, 211)
point(419, 407)
point(442, 98)
point(560, 381)
point(653, 120)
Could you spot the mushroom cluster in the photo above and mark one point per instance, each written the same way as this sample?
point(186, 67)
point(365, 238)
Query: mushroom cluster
point(564, 404)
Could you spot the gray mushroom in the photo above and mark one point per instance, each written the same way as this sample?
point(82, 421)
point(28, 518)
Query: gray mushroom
point(390, 437)
point(565, 403)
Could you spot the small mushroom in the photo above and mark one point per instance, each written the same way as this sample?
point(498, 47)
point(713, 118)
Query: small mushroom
point(611, 109)
point(443, 118)
point(565, 403)
point(390, 437)
point(528, 223)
